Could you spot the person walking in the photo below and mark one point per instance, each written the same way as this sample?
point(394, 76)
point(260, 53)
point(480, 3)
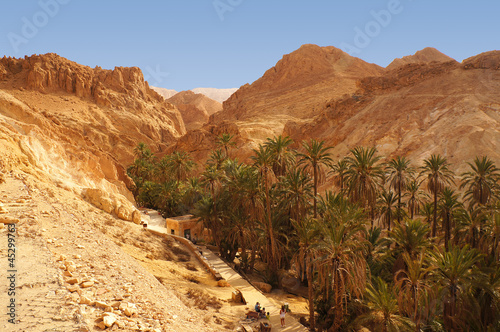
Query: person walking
point(282, 315)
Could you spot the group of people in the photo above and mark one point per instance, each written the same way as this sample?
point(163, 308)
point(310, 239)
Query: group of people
point(262, 313)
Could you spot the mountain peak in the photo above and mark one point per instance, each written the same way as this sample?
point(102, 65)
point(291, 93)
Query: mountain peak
point(426, 55)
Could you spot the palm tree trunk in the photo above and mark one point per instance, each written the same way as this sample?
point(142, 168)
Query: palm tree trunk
point(399, 202)
point(315, 175)
point(447, 231)
point(310, 294)
point(434, 221)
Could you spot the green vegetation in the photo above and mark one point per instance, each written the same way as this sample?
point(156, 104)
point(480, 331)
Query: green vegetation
point(377, 251)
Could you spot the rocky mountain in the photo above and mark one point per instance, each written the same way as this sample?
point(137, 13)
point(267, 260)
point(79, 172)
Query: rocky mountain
point(165, 93)
point(416, 110)
point(421, 104)
point(220, 95)
point(427, 55)
point(296, 88)
point(195, 108)
point(77, 126)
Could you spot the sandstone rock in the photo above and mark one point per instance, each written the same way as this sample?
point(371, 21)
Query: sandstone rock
point(73, 288)
point(129, 312)
point(223, 283)
point(98, 198)
point(100, 304)
point(67, 273)
point(8, 220)
point(101, 325)
point(62, 258)
point(266, 288)
point(73, 281)
point(87, 284)
point(2, 226)
point(3, 210)
point(123, 213)
point(136, 217)
point(85, 300)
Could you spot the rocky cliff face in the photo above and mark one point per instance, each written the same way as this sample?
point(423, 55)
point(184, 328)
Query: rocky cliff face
point(416, 110)
point(77, 126)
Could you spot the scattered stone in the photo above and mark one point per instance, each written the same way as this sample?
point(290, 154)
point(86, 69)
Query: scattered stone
point(87, 284)
point(67, 273)
point(3, 210)
point(116, 305)
point(73, 281)
point(77, 256)
point(80, 246)
point(8, 220)
point(85, 300)
point(129, 312)
point(223, 283)
point(2, 226)
point(62, 258)
point(21, 201)
point(101, 325)
point(101, 304)
point(49, 241)
point(73, 288)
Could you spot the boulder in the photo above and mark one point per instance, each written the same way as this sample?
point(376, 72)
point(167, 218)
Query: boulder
point(265, 288)
point(136, 217)
point(98, 198)
point(123, 213)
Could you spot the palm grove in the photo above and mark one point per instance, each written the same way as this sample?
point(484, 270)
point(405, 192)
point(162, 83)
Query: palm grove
point(394, 247)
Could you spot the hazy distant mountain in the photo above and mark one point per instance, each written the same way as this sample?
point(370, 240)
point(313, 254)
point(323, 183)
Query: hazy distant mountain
point(166, 93)
point(220, 95)
point(195, 108)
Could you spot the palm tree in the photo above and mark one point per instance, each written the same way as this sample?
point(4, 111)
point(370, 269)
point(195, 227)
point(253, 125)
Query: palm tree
point(282, 154)
point(216, 158)
point(438, 176)
point(448, 205)
point(455, 272)
point(315, 156)
point(388, 208)
point(263, 161)
point(413, 287)
point(212, 178)
point(225, 140)
point(469, 222)
point(416, 197)
point(399, 177)
point(339, 171)
point(307, 232)
point(342, 251)
point(181, 164)
point(142, 151)
point(409, 236)
point(482, 182)
point(364, 177)
point(296, 192)
point(384, 314)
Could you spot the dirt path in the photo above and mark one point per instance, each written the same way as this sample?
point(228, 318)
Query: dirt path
point(251, 295)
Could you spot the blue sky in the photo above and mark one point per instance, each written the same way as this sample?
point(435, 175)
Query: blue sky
point(184, 44)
